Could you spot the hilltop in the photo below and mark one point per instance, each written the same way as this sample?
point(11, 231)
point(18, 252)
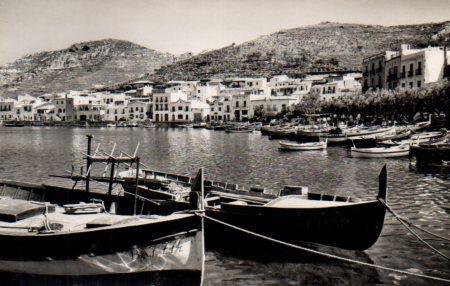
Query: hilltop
point(81, 66)
point(323, 47)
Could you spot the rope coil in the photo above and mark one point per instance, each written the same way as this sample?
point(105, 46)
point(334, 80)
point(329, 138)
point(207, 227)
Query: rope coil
point(322, 253)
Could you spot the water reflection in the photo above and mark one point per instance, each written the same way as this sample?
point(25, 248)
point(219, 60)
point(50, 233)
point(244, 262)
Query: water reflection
point(250, 159)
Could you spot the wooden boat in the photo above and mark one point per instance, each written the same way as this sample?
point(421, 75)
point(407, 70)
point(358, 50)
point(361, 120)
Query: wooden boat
point(396, 134)
point(434, 137)
point(331, 220)
point(80, 243)
point(356, 133)
point(430, 157)
point(239, 129)
point(199, 125)
point(380, 152)
point(419, 126)
point(289, 146)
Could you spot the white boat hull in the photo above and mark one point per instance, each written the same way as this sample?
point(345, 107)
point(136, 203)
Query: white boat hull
point(393, 152)
point(341, 138)
point(303, 146)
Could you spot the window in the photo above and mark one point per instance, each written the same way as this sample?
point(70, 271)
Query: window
point(245, 103)
point(212, 108)
point(228, 108)
point(403, 84)
point(173, 108)
point(187, 117)
point(411, 84)
point(180, 107)
point(419, 83)
point(244, 112)
point(180, 116)
point(237, 104)
point(220, 108)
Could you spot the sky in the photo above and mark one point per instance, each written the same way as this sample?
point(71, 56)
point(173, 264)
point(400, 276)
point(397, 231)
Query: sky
point(179, 26)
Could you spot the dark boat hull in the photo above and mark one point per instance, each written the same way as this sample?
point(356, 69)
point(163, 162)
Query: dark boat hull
point(167, 252)
point(355, 227)
point(169, 277)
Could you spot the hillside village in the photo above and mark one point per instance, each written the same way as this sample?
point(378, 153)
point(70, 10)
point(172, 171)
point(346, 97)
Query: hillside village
point(229, 99)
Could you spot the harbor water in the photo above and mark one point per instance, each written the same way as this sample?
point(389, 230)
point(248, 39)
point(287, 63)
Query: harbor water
point(30, 154)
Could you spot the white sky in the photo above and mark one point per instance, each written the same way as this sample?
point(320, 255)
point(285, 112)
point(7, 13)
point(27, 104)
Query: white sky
point(178, 26)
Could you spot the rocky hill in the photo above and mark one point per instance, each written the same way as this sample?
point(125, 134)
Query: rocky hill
point(323, 47)
point(81, 66)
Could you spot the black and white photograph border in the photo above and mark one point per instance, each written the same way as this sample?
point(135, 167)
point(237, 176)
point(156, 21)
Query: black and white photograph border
point(224, 142)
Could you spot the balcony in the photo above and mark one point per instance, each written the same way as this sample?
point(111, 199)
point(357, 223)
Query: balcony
point(418, 71)
point(410, 73)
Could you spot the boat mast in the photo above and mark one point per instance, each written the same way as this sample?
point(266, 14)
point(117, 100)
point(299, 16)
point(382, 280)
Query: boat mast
point(88, 161)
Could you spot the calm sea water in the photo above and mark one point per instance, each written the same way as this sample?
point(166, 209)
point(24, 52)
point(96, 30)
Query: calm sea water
point(30, 154)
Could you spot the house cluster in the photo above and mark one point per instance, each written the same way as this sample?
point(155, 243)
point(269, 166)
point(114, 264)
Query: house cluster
point(233, 99)
point(405, 68)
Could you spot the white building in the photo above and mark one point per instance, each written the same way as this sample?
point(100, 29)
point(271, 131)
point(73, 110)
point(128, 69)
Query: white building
point(7, 111)
point(422, 66)
point(221, 109)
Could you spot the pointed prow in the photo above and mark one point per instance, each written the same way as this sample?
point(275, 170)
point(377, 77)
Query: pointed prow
point(382, 184)
point(197, 192)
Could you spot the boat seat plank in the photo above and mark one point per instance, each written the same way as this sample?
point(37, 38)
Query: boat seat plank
point(14, 210)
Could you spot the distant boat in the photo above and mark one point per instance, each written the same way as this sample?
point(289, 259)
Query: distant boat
point(356, 133)
point(419, 126)
point(111, 125)
point(289, 146)
point(243, 129)
point(150, 125)
point(380, 152)
point(132, 124)
point(199, 125)
point(434, 137)
point(185, 125)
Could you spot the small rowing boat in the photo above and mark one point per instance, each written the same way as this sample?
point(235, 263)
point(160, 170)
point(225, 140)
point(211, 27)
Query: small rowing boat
point(381, 152)
point(356, 133)
point(309, 146)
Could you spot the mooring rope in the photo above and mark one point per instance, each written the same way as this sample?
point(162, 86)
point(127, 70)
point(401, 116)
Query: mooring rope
point(323, 253)
point(410, 230)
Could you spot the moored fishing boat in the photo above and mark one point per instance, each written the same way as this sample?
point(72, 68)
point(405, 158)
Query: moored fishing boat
point(81, 243)
point(332, 220)
point(380, 152)
point(308, 146)
point(239, 129)
point(199, 125)
point(430, 157)
point(434, 137)
point(341, 136)
point(419, 126)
